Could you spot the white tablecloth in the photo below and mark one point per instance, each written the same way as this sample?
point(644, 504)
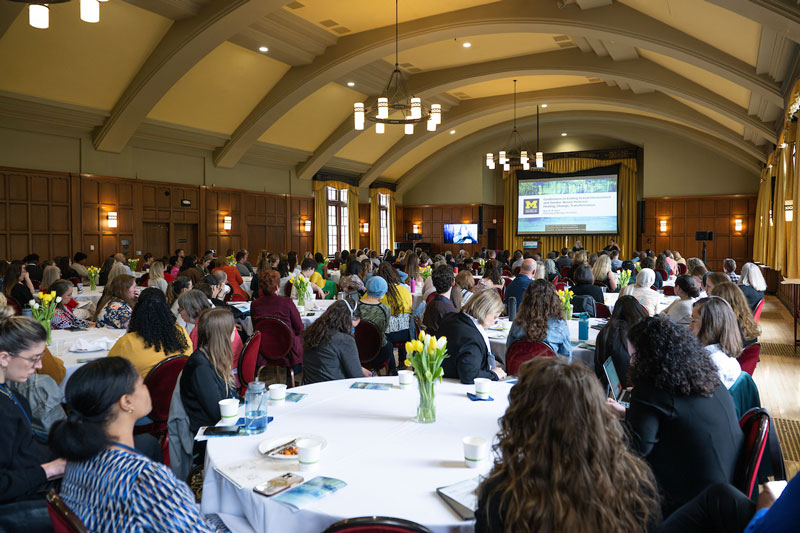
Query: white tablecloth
point(88, 295)
point(308, 316)
point(63, 339)
point(392, 465)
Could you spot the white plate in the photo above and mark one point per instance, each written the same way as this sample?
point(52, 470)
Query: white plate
point(268, 444)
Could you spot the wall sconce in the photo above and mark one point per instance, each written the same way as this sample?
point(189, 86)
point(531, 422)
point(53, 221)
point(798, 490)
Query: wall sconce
point(416, 228)
point(788, 209)
point(227, 223)
point(305, 225)
point(112, 219)
point(365, 227)
point(737, 224)
point(663, 226)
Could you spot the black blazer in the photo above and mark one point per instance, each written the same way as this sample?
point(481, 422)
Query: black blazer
point(587, 289)
point(612, 342)
point(201, 391)
point(751, 295)
point(691, 442)
point(468, 355)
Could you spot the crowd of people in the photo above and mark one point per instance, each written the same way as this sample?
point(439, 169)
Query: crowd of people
point(564, 457)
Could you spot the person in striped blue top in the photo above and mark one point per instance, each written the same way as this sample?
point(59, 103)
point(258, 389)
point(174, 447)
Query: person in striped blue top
point(107, 483)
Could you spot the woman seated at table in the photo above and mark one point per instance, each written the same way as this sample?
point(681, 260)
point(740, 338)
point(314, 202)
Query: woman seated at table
point(175, 263)
point(712, 279)
point(329, 349)
point(105, 269)
point(683, 418)
point(612, 341)
point(189, 269)
point(466, 284)
point(207, 377)
point(156, 277)
point(680, 311)
point(271, 305)
point(629, 265)
point(233, 278)
point(752, 284)
point(399, 299)
point(550, 270)
point(152, 335)
point(17, 285)
point(541, 318)
point(191, 305)
point(115, 307)
point(63, 317)
point(117, 270)
point(658, 282)
point(107, 483)
point(602, 273)
point(699, 272)
point(550, 477)
point(352, 282)
point(492, 275)
point(412, 269)
point(578, 259)
point(26, 466)
point(714, 325)
point(64, 266)
point(467, 341)
point(584, 284)
point(641, 290)
point(181, 285)
point(662, 264)
point(749, 330)
point(376, 313)
point(50, 275)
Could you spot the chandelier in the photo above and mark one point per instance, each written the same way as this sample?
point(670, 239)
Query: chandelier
point(397, 100)
point(39, 12)
point(518, 152)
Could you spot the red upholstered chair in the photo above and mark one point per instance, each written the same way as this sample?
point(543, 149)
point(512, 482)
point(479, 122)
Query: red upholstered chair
point(668, 290)
point(74, 281)
point(238, 298)
point(759, 308)
point(142, 281)
point(565, 271)
point(36, 284)
point(555, 279)
point(522, 351)
point(507, 271)
point(476, 268)
point(601, 310)
point(14, 304)
point(749, 358)
point(560, 286)
point(376, 524)
point(682, 269)
point(516, 271)
point(160, 381)
point(430, 298)
point(755, 426)
point(247, 369)
point(600, 284)
point(368, 341)
point(287, 290)
point(62, 517)
point(664, 275)
point(276, 341)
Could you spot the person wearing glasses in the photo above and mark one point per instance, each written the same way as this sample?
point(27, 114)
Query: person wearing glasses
point(27, 467)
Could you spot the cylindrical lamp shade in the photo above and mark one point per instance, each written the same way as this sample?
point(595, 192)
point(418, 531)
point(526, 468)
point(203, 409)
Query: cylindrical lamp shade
point(383, 107)
point(358, 115)
point(90, 11)
point(431, 125)
point(39, 16)
point(380, 128)
point(416, 108)
point(539, 160)
point(409, 129)
point(436, 113)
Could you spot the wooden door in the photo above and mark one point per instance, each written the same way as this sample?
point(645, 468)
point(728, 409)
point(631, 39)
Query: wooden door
point(186, 238)
point(256, 240)
point(156, 239)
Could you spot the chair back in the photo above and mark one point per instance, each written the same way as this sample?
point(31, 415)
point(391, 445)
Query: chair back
point(248, 361)
point(750, 358)
point(755, 425)
point(62, 517)
point(600, 284)
point(745, 394)
point(368, 341)
point(287, 290)
point(143, 280)
point(565, 271)
point(276, 340)
point(682, 269)
point(582, 303)
point(14, 304)
point(507, 271)
point(601, 310)
point(668, 290)
point(376, 524)
point(555, 279)
point(561, 285)
point(160, 381)
point(759, 308)
point(522, 351)
point(476, 268)
point(664, 275)
point(238, 298)
point(516, 271)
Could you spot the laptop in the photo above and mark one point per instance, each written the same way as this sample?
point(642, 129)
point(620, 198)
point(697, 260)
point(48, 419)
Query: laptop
point(614, 385)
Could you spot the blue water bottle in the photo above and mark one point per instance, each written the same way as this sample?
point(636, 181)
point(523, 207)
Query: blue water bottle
point(255, 408)
point(583, 327)
point(512, 308)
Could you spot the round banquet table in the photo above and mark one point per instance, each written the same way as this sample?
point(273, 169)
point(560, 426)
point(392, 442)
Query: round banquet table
point(392, 465)
point(88, 295)
point(308, 316)
point(62, 340)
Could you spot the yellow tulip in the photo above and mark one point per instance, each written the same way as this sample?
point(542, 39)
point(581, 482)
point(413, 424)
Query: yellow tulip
point(41, 294)
point(407, 362)
point(409, 348)
point(418, 347)
point(52, 294)
point(422, 335)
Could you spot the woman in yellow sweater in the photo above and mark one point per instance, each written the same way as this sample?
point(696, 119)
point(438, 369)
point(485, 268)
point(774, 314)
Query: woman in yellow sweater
point(152, 334)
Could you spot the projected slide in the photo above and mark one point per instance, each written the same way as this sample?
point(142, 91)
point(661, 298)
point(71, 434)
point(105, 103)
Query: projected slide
point(563, 204)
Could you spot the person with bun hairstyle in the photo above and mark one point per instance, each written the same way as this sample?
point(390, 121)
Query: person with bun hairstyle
point(107, 483)
point(680, 311)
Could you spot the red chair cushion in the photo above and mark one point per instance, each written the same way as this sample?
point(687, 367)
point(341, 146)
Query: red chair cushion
point(601, 310)
point(248, 361)
point(757, 313)
point(522, 351)
point(749, 358)
point(160, 381)
point(368, 341)
point(755, 426)
point(668, 291)
point(61, 516)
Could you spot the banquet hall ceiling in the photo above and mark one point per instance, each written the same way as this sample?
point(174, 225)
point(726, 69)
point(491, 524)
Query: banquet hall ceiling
point(712, 70)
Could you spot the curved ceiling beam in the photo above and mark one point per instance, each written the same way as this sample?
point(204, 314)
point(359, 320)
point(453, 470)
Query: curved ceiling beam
point(566, 62)
point(185, 43)
point(616, 23)
point(614, 125)
point(584, 94)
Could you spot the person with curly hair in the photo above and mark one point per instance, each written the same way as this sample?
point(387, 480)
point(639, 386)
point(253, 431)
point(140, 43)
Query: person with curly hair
point(152, 334)
point(567, 468)
point(492, 275)
point(683, 418)
point(329, 349)
point(612, 341)
point(714, 325)
point(748, 328)
point(541, 318)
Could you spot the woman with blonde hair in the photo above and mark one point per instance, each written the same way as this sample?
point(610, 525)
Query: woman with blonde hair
point(752, 284)
point(51, 274)
point(548, 475)
point(115, 307)
point(731, 293)
point(678, 259)
point(156, 277)
point(602, 273)
point(466, 284)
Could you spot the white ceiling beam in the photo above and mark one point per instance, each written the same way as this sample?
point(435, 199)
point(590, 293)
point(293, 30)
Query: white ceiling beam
point(782, 16)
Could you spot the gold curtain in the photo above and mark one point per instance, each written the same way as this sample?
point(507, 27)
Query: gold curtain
point(793, 193)
point(782, 179)
point(626, 208)
point(352, 215)
point(762, 218)
point(321, 213)
point(375, 218)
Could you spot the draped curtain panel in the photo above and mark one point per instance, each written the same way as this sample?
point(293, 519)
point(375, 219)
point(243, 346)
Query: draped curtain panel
point(793, 193)
point(762, 218)
point(626, 208)
point(778, 257)
point(375, 218)
point(352, 215)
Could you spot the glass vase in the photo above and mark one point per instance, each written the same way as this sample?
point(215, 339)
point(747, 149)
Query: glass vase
point(47, 327)
point(301, 298)
point(426, 410)
point(568, 313)
point(92, 284)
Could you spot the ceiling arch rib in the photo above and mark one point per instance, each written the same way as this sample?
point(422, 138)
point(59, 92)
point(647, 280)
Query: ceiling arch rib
point(579, 122)
point(584, 94)
point(569, 62)
point(615, 22)
point(187, 42)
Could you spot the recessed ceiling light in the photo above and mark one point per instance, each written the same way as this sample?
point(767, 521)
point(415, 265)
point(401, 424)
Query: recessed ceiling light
point(544, 105)
point(263, 49)
point(351, 84)
point(563, 134)
point(452, 132)
point(466, 45)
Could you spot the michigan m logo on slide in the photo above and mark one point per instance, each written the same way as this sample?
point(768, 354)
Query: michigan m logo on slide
point(531, 207)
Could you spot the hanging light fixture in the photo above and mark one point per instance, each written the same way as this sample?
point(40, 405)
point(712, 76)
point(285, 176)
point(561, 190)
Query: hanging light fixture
point(39, 11)
point(90, 11)
point(518, 151)
point(396, 98)
point(39, 16)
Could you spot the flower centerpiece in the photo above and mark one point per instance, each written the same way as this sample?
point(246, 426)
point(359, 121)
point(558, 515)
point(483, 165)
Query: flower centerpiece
point(44, 311)
point(624, 279)
point(482, 262)
point(231, 260)
point(425, 356)
point(94, 272)
point(566, 303)
point(638, 265)
point(133, 263)
point(300, 283)
point(425, 272)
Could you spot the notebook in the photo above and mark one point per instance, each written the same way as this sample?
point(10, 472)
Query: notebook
point(462, 497)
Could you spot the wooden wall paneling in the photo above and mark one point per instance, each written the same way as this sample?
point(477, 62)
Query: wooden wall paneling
point(433, 218)
point(363, 216)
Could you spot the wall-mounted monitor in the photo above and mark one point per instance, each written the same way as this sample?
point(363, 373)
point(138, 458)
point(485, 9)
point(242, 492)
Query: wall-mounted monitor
point(461, 233)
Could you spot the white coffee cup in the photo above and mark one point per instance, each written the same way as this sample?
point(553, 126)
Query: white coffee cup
point(277, 392)
point(405, 378)
point(475, 451)
point(482, 386)
point(229, 411)
point(308, 453)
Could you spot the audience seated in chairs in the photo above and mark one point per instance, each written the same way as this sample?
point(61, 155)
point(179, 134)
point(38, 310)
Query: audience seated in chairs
point(191, 305)
point(749, 330)
point(680, 311)
point(329, 349)
point(115, 308)
point(372, 310)
point(442, 303)
point(17, 284)
point(156, 277)
point(612, 341)
point(641, 290)
point(271, 305)
point(63, 317)
point(541, 318)
point(308, 271)
point(714, 325)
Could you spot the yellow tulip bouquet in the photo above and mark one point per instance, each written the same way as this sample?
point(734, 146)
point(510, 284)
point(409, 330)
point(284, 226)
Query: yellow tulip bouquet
point(624, 279)
point(566, 302)
point(231, 260)
point(133, 263)
point(44, 311)
point(300, 283)
point(425, 273)
point(94, 272)
point(425, 356)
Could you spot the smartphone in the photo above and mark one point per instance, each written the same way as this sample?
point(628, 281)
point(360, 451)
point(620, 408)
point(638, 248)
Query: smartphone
point(222, 430)
point(278, 484)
